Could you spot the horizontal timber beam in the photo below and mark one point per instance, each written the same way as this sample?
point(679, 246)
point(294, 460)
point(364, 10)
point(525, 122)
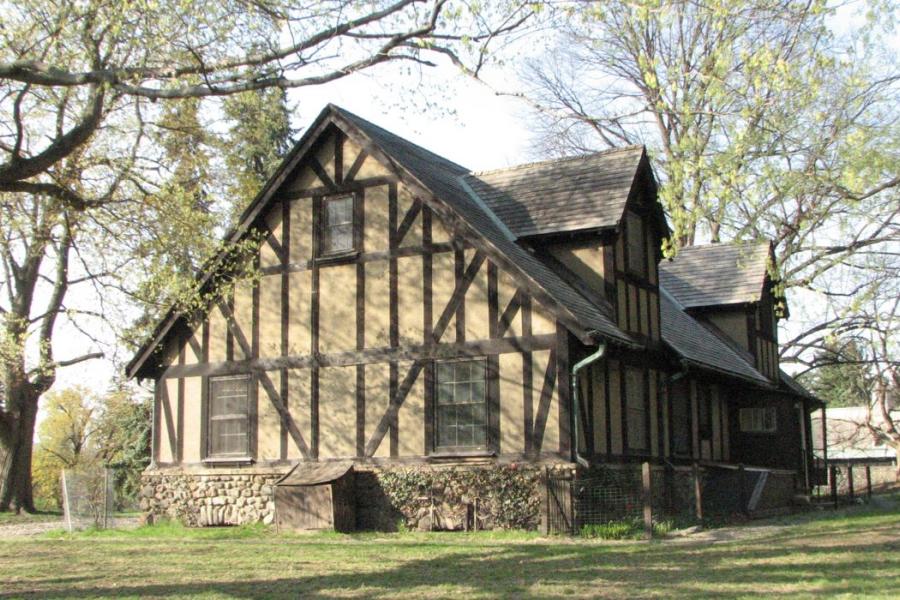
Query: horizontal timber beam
point(369, 356)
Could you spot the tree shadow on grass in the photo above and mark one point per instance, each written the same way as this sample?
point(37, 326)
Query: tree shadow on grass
point(538, 570)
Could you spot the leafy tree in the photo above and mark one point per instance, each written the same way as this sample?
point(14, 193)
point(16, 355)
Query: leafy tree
point(68, 439)
point(258, 137)
point(87, 196)
point(841, 375)
point(123, 439)
point(763, 122)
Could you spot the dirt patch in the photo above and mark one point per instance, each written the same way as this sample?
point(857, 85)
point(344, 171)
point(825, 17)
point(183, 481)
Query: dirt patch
point(29, 529)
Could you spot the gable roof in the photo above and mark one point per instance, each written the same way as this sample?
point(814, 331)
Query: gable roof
point(717, 274)
point(531, 201)
point(443, 180)
point(697, 345)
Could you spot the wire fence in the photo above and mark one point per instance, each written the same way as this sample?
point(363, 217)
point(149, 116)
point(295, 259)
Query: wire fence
point(605, 497)
point(90, 499)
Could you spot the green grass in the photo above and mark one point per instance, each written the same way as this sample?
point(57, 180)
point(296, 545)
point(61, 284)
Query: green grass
point(850, 553)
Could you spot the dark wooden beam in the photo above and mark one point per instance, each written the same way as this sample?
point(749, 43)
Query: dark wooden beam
point(546, 399)
point(267, 384)
point(408, 220)
point(398, 396)
point(356, 166)
point(320, 172)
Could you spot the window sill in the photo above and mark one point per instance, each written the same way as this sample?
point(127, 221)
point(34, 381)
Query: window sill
point(337, 257)
point(228, 460)
point(451, 454)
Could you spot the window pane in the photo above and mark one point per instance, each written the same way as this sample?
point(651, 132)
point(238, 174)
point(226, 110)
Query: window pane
point(337, 229)
point(228, 424)
point(339, 211)
point(461, 414)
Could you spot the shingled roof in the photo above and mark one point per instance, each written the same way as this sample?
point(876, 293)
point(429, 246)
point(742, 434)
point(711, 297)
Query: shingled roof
point(445, 180)
point(716, 274)
point(697, 345)
point(530, 200)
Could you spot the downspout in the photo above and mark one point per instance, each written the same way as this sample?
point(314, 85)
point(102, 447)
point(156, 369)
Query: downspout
point(587, 361)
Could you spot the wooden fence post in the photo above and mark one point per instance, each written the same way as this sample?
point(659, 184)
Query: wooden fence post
point(868, 482)
point(742, 482)
point(698, 493)
point(850, 480)
point(648, 500)
point(834, 489)
point(545, 518)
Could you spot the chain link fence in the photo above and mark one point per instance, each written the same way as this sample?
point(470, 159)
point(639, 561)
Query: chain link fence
point(90, 499)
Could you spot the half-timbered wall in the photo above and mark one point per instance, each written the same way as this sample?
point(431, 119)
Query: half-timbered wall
point(606, 412)
point(636, 282)
point(341, 348)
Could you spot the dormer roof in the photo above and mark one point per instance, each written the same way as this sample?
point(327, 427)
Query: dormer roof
point(717, 274)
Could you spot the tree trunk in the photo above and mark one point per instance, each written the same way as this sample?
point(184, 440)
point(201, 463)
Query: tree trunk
point(15, 471)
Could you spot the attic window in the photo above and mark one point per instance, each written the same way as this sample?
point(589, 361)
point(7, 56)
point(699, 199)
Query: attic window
point(759, 420)
point(337, 226)
point(634, 236)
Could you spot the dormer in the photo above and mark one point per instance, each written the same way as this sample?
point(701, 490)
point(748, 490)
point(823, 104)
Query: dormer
point(601, 230)
point(731, 288)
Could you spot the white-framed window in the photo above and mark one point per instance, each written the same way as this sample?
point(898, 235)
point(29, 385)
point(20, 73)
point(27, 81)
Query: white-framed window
point(337, 225)
point(228, 425)
point(759, 419)
point(461, 405)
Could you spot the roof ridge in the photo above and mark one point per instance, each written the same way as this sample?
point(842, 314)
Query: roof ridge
point(557, 160)
point(346, 113)
point(728, 244)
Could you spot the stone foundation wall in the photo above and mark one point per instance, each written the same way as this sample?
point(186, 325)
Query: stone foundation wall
point(422, 497)
point(426, 498)
point(209, 499)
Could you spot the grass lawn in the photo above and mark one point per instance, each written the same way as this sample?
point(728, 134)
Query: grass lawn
point(855, 552)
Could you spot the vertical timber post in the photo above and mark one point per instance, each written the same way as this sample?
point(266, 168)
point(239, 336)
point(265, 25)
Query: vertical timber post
point(868, 482)
point(834, 488)
point(742, 482)
point(698, 493)
point(545, 517)
point(648, 500)
point(850, 480)
point(573, 528)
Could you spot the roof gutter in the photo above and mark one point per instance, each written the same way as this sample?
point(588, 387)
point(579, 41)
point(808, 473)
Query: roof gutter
point(589, 360)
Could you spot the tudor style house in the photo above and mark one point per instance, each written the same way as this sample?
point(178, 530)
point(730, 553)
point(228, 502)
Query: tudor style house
point(411, 314)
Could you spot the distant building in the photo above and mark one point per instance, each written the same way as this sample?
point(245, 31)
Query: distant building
point(849, 438)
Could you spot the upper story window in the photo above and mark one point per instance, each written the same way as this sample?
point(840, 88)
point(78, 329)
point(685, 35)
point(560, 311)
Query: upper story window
point(337, 226)
point(461, 411)
point(636, 245)
point(761, 419)
point(228, 423)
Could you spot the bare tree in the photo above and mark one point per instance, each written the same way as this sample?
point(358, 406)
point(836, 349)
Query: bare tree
point(764, 124)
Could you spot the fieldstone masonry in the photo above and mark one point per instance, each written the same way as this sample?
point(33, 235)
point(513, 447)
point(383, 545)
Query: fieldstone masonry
point(209, 499)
